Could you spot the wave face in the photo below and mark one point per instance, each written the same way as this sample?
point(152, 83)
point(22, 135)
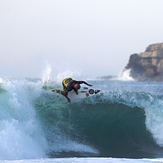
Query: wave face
point(124, 120)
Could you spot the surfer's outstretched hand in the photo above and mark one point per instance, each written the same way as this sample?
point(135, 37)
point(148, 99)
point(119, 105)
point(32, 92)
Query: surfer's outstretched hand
point(87, 83)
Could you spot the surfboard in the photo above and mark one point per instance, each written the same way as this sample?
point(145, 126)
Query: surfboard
point(83, 92)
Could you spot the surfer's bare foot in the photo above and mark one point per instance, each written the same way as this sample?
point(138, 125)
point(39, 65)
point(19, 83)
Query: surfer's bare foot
point(57, 91)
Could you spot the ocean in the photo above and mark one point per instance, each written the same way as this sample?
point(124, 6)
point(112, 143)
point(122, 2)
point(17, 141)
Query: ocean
point(123, 123)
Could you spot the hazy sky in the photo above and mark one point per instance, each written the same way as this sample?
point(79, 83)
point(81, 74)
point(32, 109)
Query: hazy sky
point(89, 37)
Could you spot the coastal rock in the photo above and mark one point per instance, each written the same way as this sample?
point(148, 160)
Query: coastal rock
point(147, 66)
point(109, 77)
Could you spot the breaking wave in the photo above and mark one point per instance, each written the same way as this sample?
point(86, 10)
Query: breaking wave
point(124, 120)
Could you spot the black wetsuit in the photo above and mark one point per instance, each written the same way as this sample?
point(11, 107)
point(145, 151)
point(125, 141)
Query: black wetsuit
point(70, 86)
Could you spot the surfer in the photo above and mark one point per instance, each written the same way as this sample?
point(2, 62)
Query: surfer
point(68, 85)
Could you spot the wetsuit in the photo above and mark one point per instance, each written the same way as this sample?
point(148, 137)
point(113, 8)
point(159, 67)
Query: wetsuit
point(68, 84)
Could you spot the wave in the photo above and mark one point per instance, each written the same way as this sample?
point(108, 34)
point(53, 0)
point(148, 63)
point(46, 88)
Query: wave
point(36, 123)
point(109, 123)
point(125, 75)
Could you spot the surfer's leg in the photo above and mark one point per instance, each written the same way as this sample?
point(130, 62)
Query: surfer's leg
point(59, 91)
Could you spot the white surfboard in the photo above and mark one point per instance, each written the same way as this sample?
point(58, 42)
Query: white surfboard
point(83, 92)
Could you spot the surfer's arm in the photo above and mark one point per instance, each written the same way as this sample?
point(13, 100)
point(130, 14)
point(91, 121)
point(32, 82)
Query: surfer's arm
point(86, 83)
point(76, 91)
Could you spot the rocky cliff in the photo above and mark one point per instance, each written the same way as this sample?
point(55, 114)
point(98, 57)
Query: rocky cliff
point(147, 66)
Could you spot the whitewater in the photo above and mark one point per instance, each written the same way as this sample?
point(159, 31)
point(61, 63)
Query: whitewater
point(123, 123)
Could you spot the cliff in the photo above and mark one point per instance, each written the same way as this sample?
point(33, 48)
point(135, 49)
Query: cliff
point(147, 66)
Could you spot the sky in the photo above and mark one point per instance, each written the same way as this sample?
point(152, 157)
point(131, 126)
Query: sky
point(90, 38)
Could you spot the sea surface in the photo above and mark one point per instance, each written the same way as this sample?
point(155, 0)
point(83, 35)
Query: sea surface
point(123, 123)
